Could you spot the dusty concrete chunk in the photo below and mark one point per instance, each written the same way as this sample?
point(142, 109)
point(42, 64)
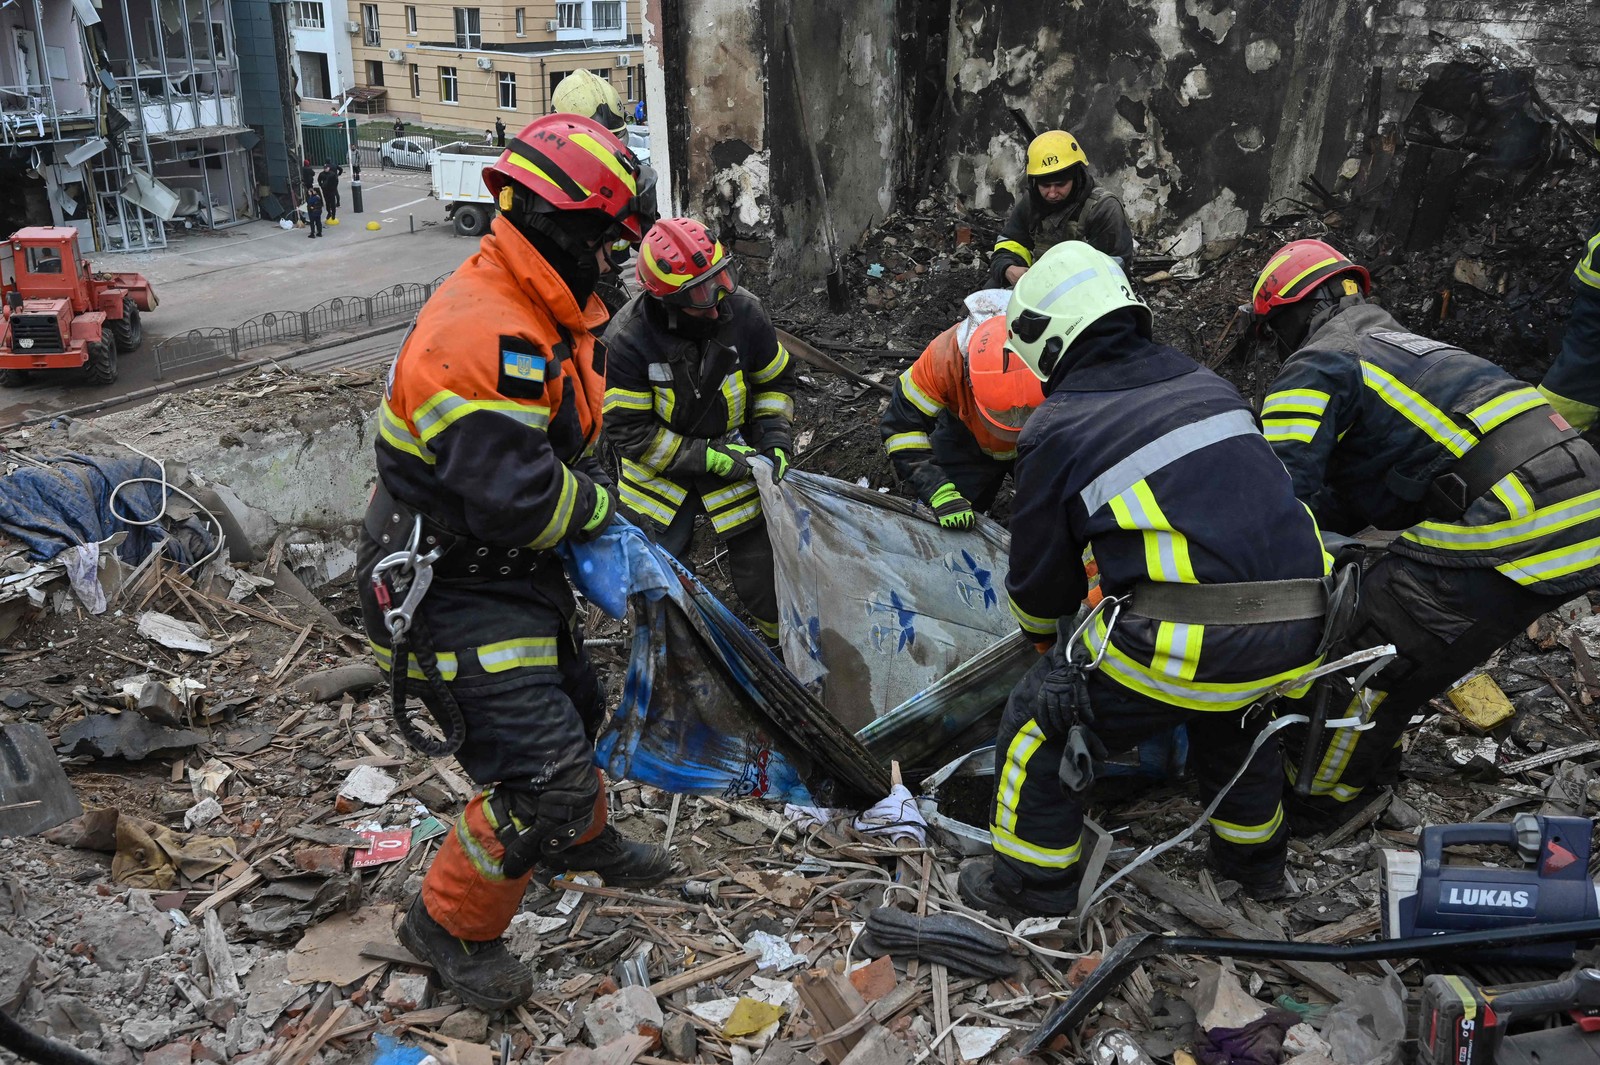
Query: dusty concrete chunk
point(625, 1012)
point(142, 1033)
point(678, 1038)
point(405, 992)
point(19, 969)
point(471, 1025)
point(120, 939)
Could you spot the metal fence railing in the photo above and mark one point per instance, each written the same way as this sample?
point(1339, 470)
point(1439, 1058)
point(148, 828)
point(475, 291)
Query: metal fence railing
point(337, 315)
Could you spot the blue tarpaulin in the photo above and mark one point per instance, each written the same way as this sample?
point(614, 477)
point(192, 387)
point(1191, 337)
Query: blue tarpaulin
point(68, 504)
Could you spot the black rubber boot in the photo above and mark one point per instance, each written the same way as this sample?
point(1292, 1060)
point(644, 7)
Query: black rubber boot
point(977, 889)
point(620, 861)
point(484, 973)
point(1315, 815)
point(1263, 881)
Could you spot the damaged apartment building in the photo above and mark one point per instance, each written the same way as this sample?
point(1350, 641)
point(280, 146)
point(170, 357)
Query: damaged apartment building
point(123, 119)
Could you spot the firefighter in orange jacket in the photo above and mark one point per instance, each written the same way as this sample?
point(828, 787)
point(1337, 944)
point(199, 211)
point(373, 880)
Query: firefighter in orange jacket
point(485, 453)
point(951, 428)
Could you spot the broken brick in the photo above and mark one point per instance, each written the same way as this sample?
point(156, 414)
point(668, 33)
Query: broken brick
point(323, 861)
point(875, 980)
point(1082, 968)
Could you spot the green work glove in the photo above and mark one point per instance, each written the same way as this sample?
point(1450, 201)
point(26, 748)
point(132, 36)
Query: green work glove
point(599, 519)
point(729, 461)
point(780, 462)
point(952, 508)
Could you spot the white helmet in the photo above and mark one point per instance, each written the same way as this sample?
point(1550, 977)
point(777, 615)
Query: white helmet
point(1071, 286)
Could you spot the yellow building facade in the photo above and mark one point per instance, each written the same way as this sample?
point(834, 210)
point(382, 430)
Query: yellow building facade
point(464, 67)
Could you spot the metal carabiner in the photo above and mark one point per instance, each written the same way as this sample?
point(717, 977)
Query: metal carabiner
point(420, 569)
point(1112, 602)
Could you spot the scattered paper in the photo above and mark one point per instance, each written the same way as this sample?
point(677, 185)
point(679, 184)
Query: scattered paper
point(368, 784)
point(168, 631)
point(776, 954)
point(330, 952)
point(976, 1043)
point(387, 845)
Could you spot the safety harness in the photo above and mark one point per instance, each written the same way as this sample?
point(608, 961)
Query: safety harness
point(1498, 453)
point(408, 573)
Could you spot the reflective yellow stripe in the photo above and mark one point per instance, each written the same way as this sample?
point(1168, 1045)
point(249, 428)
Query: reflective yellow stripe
point(1342, 746)
point(623, 399)
point(728, 494)
point(1289, 431)
point(398, 435)
point(1417, 410)
point(666, 401)
point(908, 442)
point(772, 370)
point(640, 503)
point(733, 394)
point(1288, 290)
point(1558, 562)
point(1296, 401)
point(1248, 834)
point(1177, 649)
point(1502, 409)
point(1266, 273)
point(732, 506)
point(535, 651)
point(522, 162)
point(769, 629)
point(1579, 415)
point(1030, 623)
point(476, 852)
point(556, 530)
point(1192, 694)
point(664, 447)
point(1048, 858)
point(1585, 270)
point(444, 409)
point(448, 667)
point(609, 158)
point(772, 405)
point(1166, 551)
point(917, 397)
point(644, 477)
point(1015, 770)
point(1016, 249)
point(731, 520)
point(1541, 522)
point(1513, 496)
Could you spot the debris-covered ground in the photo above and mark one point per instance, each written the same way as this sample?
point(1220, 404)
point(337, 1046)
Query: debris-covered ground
point(253, 824)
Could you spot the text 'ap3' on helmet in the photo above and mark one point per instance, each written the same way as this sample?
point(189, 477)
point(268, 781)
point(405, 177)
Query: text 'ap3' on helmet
point(1003, 386)
point(1071, 287)
point(570, 163)
point(1052, 151)
point(682, 265)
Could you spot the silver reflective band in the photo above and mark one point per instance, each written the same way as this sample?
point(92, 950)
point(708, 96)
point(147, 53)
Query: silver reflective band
point(1163, 451)
point(1067, 286)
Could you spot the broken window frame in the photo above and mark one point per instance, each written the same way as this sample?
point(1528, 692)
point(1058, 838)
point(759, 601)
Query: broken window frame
point(371, 30)
point(310, 15)
point(569, 15)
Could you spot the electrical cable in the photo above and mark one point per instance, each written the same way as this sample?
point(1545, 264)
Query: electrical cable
point(166, 489)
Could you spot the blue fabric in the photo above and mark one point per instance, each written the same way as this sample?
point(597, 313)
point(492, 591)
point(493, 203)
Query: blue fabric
point(70, 503)
point(393, 1052)
point(618, 563)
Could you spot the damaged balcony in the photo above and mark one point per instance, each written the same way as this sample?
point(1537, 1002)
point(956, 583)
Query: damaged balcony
point(44, 81)
point(175, 71)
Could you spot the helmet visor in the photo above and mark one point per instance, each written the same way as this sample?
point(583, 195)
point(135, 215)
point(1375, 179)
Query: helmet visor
point(709, 289)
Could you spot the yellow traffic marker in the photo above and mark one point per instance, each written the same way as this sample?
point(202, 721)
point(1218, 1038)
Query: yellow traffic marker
point(373, 226)
point(1481, 702)
point(333, 221)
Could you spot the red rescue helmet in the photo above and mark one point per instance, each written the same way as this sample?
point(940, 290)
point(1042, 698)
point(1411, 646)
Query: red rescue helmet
point(571, 163)
point(1005, 389)
point(681, 265)
point(1296, 269)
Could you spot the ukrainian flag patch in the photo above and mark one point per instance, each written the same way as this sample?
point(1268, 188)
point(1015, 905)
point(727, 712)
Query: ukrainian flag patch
point(522, 368)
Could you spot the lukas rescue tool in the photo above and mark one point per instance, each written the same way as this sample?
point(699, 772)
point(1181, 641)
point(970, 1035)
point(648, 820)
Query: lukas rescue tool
point(1423, 896)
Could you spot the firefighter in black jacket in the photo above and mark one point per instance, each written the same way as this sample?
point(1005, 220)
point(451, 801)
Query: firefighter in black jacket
point(1157, 465)
point(1499, 499)
point(696, 386)
point(1573, 384)
point(1062, 202)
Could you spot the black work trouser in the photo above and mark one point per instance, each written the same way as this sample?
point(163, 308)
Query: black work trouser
point(331, 199)
point(1037, 824)
point(750, 561)
point(1442, 622)
point(977, 475)
point(533, 711)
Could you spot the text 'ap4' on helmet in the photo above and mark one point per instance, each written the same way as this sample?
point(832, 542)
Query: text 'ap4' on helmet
point(1003, 386)
point(570, 163)
point(1071, 287)
point(1297, 269)
point(681, 265)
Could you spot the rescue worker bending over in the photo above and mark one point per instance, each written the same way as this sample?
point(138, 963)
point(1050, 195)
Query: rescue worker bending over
point(1499, 499)
point(1063, 202)
point(1156, 463)
point(1572, 384)
point(696, 385)
point(486, 434)
point(951, 428)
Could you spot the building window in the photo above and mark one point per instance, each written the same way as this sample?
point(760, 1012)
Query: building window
point(508, 91)
point(308, 15)
point(608, 14)
point(469, 31)
point(369, 25)
point(569, 16)
point(603, 74)
point(447, 86)
point(411, 20)
point(631, 94)
point(416, 81)
point(522, 22)
point(374, 72)
point(219, 40)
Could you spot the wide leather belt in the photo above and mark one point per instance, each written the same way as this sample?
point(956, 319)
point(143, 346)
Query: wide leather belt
point(1500, 452)
point(1240, 603)
point(388, 521)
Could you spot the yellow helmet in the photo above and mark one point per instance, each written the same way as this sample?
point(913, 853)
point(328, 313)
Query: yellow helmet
point(587, 94)
point(1052, 150)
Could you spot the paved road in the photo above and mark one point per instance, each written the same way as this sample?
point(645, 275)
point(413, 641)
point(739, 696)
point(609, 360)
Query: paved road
point(225, 278)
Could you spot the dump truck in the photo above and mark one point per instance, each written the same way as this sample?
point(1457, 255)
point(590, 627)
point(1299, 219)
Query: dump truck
point(56, 313)
point(455, 173)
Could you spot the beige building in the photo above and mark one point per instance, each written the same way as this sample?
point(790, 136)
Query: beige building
point(464, 67)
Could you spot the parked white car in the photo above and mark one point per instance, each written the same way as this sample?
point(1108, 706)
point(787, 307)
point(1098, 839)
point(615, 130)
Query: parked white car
point(411, 152)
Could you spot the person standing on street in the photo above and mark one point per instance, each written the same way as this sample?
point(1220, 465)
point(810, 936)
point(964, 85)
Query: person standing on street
point(697, 386)
point(485, 452)
point(307, 176)
point(328, 182)
point(1498, 497)
point(314, 212)
point(399, 127)
point(1155, 464)
point(499, 132)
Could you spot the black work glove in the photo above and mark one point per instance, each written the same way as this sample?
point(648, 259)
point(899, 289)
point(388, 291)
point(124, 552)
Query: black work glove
point(1063, 699)
point(1083, 750)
